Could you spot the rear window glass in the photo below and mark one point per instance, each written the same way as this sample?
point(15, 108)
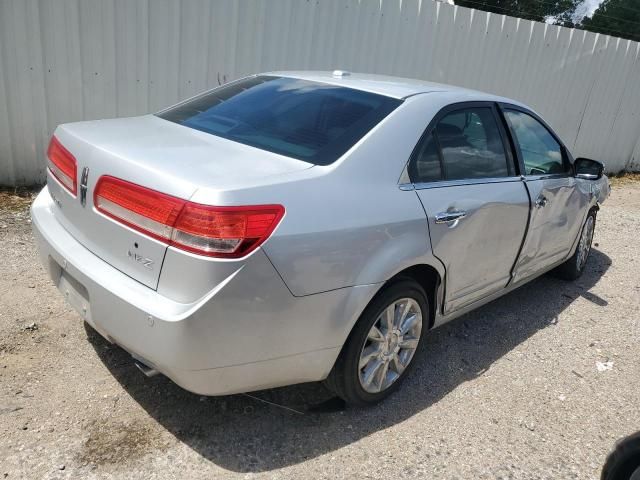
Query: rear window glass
point(310, 121)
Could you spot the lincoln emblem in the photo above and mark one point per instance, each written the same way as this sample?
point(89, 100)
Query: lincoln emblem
point(83, 186)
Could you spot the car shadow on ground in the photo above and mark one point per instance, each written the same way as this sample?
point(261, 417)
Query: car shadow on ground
point(246, 434)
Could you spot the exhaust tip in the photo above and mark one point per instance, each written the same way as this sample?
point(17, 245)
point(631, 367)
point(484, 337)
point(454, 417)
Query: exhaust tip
point(147, 370)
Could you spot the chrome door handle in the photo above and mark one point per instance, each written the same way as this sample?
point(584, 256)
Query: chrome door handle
point(447, 217)
point(541, 201)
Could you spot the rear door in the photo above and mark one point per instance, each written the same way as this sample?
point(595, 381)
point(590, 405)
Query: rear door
point(476, 204)
point(558, 207)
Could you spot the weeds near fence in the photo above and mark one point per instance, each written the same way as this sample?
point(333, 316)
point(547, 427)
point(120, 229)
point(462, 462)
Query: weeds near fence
point(16, 198)
point(624, 178)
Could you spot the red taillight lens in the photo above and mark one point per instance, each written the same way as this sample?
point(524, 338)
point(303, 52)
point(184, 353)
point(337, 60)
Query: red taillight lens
point(62, 165)
point(229, 232)
point(146, 210)
point(224, 231)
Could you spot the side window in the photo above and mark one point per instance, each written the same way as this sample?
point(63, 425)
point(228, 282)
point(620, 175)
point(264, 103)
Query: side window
point(426, 166)
point(471, 145)
point(541, 153)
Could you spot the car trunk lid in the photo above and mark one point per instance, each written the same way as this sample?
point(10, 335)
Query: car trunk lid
point(155, 154)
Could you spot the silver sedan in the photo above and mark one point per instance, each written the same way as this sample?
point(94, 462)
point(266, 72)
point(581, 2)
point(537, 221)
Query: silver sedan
point(306, 226)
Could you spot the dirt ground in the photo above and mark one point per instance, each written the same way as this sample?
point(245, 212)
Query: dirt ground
point(536, 385)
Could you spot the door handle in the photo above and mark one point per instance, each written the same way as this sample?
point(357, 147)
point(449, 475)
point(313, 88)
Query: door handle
point(447, 217)
point(541, 201)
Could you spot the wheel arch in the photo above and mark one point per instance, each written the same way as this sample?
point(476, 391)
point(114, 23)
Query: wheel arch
point(426, 275)
point(428, 278)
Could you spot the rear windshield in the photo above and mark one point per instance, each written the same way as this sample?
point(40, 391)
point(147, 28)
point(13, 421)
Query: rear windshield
point(310, 121)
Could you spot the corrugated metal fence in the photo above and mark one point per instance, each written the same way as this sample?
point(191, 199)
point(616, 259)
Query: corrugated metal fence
point(68, 60)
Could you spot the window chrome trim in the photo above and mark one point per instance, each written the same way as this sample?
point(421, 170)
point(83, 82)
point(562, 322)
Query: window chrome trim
point(405, 187)
point(458, 183)
point(546, 176)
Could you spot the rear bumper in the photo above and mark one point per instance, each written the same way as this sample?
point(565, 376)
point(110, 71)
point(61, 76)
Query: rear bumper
point(247, 333)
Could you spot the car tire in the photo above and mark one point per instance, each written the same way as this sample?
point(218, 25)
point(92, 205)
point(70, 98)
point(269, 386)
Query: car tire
point(624, 462)
point(388, 358)
point(574, 266)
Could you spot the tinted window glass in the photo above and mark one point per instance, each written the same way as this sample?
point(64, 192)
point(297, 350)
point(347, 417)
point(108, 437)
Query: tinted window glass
point(310, 121)
point(471, 145)
point(426, 166)
point(541, 152)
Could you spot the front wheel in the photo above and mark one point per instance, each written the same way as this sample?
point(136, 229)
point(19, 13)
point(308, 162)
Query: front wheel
point(574, 266)
point(381, 348)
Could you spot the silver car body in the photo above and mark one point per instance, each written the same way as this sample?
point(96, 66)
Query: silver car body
point(282, 314)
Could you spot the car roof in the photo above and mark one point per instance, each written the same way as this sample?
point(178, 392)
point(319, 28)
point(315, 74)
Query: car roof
point(396, 87)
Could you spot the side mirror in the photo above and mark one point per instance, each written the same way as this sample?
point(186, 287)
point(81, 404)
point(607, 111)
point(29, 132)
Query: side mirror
point(588, 169)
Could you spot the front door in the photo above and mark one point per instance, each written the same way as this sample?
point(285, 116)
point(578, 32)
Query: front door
point(477, 207)
point(558, 208)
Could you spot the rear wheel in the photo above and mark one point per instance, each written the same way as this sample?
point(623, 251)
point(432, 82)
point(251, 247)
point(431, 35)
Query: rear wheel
point(573, 268)
point(381, 348)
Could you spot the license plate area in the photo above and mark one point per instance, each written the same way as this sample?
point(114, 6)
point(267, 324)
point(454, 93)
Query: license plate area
point(76, 294)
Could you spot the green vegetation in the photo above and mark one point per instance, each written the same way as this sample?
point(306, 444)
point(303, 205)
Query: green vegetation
point(618, 18)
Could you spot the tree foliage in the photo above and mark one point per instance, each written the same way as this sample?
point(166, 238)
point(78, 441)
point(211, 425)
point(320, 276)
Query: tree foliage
point(538, 10)
point(619, 18)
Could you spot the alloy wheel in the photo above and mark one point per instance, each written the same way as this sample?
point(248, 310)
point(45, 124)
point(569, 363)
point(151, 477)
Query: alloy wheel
point(390, 345)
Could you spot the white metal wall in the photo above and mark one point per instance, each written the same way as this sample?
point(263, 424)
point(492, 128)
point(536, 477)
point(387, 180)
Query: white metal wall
point(68, 60)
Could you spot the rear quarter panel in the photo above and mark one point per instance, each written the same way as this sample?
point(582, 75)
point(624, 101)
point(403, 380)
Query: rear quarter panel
point(349, 223)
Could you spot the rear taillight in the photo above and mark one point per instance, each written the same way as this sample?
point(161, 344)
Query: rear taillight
point(62, 165)
point(229, 232)
point(148, 211)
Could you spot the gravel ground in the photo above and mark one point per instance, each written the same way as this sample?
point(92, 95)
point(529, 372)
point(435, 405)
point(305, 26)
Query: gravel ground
point(536, 385)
